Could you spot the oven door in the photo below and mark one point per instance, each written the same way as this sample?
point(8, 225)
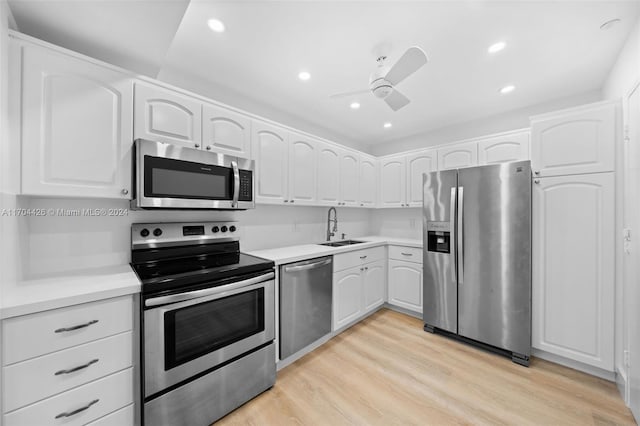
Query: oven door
point(171, 176)
point(192, 332)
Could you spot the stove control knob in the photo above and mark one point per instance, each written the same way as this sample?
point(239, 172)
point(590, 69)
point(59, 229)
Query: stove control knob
point(144, 233)
point(232, 228)
point(215, 229)
point(223, 229)
point(157, 232)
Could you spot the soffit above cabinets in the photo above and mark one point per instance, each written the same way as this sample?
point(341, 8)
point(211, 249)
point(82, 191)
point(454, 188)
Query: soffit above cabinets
point(553, 50)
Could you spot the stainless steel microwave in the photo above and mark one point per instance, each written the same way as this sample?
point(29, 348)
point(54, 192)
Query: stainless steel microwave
point(174, 177)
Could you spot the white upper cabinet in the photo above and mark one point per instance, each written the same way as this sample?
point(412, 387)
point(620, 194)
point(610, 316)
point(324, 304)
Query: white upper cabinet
point(163, 115)
point(458, 155)
point(392, 182)
point(574, 141)
point(302, 169)
point(417, 164)
point(573, 267)
point(226, 131)
point(349, 174)
point(504, 148)
point(368, 182)
point(328, 174)
point(270, 150)
point(76, 125)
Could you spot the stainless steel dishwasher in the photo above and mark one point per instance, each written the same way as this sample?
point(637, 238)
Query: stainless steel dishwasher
point(305, 303)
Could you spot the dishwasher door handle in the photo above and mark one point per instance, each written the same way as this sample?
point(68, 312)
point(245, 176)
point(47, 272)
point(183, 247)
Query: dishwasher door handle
point(307, 266)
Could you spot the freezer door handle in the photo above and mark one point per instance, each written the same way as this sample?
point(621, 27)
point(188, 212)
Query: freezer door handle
point(460, 242)
point(452, 224)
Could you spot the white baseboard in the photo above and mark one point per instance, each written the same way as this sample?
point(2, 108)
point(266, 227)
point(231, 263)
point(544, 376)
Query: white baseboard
point(576, 365)
point(403, 310)
point(621, 382)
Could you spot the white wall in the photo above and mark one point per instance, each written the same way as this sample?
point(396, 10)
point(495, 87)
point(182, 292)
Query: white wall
point(511, 120)
point(399, 223)
point(624, 75)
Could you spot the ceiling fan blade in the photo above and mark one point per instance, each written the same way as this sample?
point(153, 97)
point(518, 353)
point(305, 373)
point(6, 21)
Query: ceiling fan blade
point(396, 100)
point(348, 94)
point(410, 62)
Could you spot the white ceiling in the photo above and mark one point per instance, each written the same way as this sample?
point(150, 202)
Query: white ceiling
point(554, 49)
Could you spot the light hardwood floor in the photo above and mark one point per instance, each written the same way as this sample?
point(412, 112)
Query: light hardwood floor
point(386, 370)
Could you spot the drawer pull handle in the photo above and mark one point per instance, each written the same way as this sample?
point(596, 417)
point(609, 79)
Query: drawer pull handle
point(363, 257)
point(79, 410)
point(74, 369)
point(76, 327)
point(407, 254)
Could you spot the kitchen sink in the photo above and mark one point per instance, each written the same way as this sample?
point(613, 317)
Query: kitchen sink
point(341, 243)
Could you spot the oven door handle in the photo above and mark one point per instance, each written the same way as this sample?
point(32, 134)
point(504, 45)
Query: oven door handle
point(236, 184)
point(196, 294)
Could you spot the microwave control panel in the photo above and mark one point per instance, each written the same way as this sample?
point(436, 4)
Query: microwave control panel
point(246, 186)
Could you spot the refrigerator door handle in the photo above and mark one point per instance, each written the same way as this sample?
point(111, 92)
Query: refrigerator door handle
point(460, 242)
point(452, 224)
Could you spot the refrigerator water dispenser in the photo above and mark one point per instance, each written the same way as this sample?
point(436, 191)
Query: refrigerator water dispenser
point(438, 237)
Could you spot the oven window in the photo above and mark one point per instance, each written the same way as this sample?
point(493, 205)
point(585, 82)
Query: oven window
point(196, 330)
point(169, 178)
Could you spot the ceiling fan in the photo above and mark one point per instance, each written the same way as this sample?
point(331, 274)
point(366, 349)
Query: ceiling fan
point(383, 79)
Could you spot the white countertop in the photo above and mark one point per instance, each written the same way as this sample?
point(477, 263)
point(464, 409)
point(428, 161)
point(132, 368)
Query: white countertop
point(52, 292)
point(282, 255)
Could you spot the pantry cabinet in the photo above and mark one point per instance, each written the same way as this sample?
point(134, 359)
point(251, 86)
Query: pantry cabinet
point(458, 155)
point(573, 267)
point(328, 174)
point(368, 182)
point(76, 125)
point(503, 148)
point(225, 131)
point(163, 115)
point(574, 141)
point(270, 148)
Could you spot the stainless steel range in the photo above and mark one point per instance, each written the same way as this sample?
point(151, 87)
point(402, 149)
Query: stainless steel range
point(207, 319)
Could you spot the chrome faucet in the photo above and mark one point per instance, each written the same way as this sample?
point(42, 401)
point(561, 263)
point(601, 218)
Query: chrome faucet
point(332, 232)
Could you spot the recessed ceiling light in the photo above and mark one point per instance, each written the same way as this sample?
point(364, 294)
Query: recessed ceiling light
point(609, 24)
point(387, 125)
point(304, 76)
point(496, 47)
point(507, 89)
point(355, 105)
point(216, 25)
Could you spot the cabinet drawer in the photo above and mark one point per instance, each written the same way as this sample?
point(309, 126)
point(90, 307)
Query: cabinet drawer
point(357, 258)
point(41, 377)
point(122, 417)
point(408, 254)
point(45, 332)
point(80, 405)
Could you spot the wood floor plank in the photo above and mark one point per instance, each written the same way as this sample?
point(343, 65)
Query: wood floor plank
point(386, 370)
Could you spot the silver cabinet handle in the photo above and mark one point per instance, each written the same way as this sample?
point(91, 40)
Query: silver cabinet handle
point(363, 257)
point(537, 172)
point(452, 225)
point(208, 147)
point(236, 184)
point(366, 268)
point(125, 191)
point(407, 254)
point(460, 235)
point(197, 145)
point(292, 201)
point(75, 327)
point(537, 181)
point(74, 369)
point(307, 266)
point(286, 201)
point(79, 410)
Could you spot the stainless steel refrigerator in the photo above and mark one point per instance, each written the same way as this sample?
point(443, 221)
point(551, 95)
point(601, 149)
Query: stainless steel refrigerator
point(477, 256)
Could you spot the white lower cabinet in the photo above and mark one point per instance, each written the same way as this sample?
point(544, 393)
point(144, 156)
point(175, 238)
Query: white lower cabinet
point(573, 267)
point(347, 296)
point(374, 283)
point(405, 284)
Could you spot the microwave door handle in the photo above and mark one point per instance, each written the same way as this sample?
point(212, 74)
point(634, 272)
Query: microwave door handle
point(236, 184)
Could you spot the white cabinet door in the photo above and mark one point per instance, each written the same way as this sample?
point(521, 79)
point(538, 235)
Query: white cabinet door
point(392, 182)
point(368, 182)
point(302, 169)
point(349, 174)
point(458, 155)
point(270, 149)
point(347, 296)
point(418, 164)
point(328, 174)
point(76, 126)
point(573, 267)
point(575, 141)
point(165, 116)
point(374, 278)
point(226, 131)
point(405, 285)
point(504, 148)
